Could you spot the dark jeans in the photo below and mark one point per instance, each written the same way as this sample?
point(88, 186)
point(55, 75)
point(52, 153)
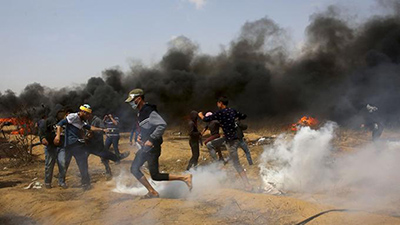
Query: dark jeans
point(114, 141)
point(243, 145)
point(151, 156)
point(81, 154)
point(53, 155)
point(194, 145)
point(105, 155)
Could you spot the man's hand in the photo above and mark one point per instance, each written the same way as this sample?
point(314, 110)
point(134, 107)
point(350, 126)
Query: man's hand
point(45, 142)
point(201, 115)
point(139, 140)
point(148, 143)
point(57, 140)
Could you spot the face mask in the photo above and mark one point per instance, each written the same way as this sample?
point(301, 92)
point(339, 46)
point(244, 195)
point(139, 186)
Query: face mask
point(133, 104)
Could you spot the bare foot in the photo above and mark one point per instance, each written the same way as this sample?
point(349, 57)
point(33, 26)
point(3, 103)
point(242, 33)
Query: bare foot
point(150, 195)
point(188, 181)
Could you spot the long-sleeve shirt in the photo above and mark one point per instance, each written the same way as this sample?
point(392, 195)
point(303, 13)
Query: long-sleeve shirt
point(226, 118)
point(151, 125)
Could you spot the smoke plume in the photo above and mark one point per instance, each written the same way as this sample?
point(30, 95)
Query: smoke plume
point(341, 67)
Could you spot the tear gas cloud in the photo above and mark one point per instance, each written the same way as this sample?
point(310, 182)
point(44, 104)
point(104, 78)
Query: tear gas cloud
point(309, 163)
point(341, 67)
point(206, 179)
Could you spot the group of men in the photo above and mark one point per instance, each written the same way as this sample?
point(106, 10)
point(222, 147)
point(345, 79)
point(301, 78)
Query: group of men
point(64, 137)
point(68, 141)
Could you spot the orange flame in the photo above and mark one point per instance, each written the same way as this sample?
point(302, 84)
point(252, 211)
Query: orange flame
point(305, 121)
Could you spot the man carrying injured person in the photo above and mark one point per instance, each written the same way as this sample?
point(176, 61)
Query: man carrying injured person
point(74, 140)
point(226, 117)
point(151, 128)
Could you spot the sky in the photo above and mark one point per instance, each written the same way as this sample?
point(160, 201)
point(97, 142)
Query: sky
point(64, 43)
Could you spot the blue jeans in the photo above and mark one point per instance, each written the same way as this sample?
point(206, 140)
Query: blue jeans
point(114, 141)
point(232, 147)
point(53, 155)
point(243, 145)
point(213, 145)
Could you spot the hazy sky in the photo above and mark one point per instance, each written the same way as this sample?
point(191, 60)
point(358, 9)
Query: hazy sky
point(62, 43)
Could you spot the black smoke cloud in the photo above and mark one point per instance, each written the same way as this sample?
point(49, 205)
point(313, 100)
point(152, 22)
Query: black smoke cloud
point(340, 68)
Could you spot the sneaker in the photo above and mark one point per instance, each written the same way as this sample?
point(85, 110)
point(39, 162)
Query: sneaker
point(108, 176)
point(63, 186)
point(124, 155)
point(47, 186)
point(86, 187)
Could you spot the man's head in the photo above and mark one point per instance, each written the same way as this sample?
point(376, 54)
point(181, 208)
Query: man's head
point(135, 98)
point(85, 111)
point(222, 102)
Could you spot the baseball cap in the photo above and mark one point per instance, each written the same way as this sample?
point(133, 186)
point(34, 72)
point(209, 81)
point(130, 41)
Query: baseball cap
point(133, 94)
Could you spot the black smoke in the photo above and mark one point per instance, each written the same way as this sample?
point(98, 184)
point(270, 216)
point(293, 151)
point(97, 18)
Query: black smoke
point(340, 68)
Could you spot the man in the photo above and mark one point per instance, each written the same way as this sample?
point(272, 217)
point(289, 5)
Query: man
point(194, 140)
point(96, 147)
point(226, 117)
point(372, 121)
point(74, 142)
point(151, 128)
point(46, 135)
point(112, 125)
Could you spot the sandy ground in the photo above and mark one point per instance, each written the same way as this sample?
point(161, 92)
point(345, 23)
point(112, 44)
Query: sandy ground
point(225, 203)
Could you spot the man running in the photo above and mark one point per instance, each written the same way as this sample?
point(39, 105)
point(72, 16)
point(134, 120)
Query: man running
point(151, 128)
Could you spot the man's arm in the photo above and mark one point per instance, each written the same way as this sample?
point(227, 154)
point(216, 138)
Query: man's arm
point(208, 118)
point(241, 116)
point(114, 121)
point(156, 120)
point(58, 134)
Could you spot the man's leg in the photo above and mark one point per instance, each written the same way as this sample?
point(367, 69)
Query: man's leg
point(232, 147)
point(246, 150)
point(137, 163)
point(115, 142)
point(157, 176)
point(98, 150)
point(81, 157)
point(194, 146)
point(50, 160)
point(61, 162)
point(213, 145)
point(107, 143)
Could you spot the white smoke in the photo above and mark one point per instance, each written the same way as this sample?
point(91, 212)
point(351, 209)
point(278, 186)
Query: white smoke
point(206, 179)
point(309, 163)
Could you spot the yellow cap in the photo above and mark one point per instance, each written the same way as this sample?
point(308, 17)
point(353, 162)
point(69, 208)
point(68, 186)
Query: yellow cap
point(85, 108)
